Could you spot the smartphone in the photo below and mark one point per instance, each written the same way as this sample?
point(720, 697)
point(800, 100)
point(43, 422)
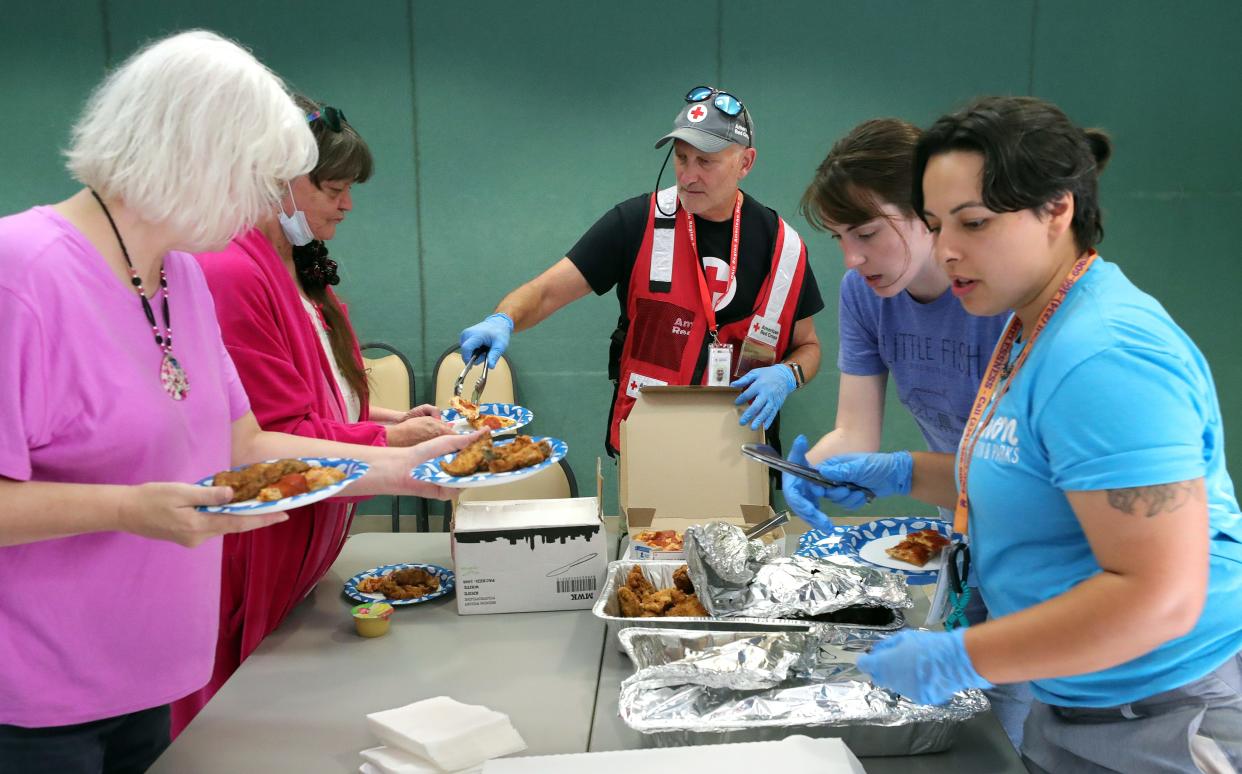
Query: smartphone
point(761, 452)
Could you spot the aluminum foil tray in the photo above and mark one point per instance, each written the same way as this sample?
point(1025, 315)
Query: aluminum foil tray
point(660, 573)
point(710, 687)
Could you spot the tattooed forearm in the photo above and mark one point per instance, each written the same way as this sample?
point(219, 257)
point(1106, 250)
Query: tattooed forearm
point(1152, 500)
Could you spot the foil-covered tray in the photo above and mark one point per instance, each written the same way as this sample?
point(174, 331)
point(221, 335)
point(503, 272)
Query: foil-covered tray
point(711, 687)
point(660, 573)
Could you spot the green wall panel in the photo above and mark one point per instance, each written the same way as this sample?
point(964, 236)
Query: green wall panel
point(501, 131)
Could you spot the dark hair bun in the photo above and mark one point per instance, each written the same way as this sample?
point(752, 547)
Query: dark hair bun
point(1101, 147)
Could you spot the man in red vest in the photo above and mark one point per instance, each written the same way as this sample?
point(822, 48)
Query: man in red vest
point(714, 287)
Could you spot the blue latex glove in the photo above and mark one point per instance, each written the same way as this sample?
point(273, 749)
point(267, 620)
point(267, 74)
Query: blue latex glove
point(803, 496)
point(885, 474)
point(765, 389)
point(492, 334)
point(928, 667)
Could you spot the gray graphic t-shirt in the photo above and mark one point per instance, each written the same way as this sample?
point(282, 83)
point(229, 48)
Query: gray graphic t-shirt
point(936, 353)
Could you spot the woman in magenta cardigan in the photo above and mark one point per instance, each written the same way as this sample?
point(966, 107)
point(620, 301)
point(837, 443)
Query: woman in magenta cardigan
point(299, 361)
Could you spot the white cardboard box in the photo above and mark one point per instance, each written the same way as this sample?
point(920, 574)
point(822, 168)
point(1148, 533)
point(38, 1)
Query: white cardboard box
point(515, 556)
point(682, 463)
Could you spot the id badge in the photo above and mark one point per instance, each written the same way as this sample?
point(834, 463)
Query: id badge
point(759, 347)
point(941, 604)
point(719, 361)
point(755, 354)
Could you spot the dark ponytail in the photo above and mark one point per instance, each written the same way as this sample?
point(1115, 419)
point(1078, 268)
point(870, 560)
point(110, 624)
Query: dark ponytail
point(316, 273)
point(343, 155)
point(1032, 154)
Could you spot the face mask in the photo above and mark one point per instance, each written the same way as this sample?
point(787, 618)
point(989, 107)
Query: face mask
point(296, 229)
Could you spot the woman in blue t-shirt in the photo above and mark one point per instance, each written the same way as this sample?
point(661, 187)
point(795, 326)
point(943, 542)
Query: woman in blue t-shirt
point(1103, 524)
point(897, 318)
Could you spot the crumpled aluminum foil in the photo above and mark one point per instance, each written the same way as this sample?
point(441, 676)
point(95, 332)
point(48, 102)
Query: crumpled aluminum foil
point(738, 577)
point(822, 687)
point(761, 660)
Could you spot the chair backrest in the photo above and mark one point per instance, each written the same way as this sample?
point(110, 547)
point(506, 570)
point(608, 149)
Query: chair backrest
point(552, 483)
point(501, 381)
point(391, 378)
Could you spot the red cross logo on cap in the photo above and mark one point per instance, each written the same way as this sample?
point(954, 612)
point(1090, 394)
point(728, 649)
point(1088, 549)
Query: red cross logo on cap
point(696, 114)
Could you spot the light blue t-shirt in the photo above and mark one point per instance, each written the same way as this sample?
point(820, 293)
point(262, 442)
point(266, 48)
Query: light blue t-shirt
point(1114, 395)
point(936, 353)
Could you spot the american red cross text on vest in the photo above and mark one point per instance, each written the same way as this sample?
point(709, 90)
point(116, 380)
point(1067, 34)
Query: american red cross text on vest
point(669, 290)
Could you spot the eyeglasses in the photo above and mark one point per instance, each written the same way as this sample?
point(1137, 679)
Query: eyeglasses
point(332, 117)
point(724, 101)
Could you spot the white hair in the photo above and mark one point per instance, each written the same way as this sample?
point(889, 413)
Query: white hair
point(194, 133)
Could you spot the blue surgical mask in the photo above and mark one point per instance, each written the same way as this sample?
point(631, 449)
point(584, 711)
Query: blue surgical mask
point(296, 229)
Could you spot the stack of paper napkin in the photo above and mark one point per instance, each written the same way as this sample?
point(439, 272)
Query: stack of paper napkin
point(438, 736)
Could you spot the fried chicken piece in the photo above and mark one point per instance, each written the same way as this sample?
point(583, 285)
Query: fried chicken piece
point(281, 468)
point(318, 478)
point(522, 452)
point(681, 579)
point(415, 576)
point(689, 607)
point(249, 482)
point(638, 583)
point(658, 602)
point(470, 459)
point(410, 583)
point(245, 487)
point(630, 606)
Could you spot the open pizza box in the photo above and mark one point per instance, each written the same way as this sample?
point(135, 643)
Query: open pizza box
point(681, 464)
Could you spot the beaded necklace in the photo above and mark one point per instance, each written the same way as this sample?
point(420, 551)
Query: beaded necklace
point(172, 375)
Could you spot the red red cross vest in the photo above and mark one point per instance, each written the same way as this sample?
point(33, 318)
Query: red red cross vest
point(667, 329)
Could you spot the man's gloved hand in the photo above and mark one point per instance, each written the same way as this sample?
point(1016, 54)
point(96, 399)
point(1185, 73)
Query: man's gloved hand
point(803, 496)
point(765, 389)
point(492, 334)
point(928, 667)
point(885, 474)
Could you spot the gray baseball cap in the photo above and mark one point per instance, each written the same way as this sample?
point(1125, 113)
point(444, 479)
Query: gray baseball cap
point(709, 129)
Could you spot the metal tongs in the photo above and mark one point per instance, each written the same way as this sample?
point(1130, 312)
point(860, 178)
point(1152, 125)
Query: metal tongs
point(480, 358)
point(766, 526)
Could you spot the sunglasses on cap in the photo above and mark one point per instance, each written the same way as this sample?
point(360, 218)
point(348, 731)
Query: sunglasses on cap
point(724, 101)
point(331, 117)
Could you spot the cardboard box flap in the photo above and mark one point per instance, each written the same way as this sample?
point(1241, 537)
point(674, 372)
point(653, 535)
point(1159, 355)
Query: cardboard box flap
point(681, 454)
point(494, 515)
point(643, 518)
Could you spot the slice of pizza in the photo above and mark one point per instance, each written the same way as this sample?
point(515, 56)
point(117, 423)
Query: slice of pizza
point(918, 548)
point(930, 538)
point(468, 410)
point(911, 552)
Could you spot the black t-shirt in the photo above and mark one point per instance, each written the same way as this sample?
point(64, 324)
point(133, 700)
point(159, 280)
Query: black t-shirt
point(606, 254)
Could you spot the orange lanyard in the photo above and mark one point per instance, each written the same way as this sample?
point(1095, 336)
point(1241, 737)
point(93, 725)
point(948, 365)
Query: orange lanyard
point(1000, 374)
point(709, 305)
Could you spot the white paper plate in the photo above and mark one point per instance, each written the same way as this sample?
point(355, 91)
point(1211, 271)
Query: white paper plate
point(354, 470)
point(431, 472)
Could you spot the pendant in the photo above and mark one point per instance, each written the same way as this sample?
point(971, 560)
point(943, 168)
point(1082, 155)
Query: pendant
point(173, 377)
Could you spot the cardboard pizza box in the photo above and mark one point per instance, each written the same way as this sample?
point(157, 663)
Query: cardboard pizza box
point(681, 463)
point(515, 556)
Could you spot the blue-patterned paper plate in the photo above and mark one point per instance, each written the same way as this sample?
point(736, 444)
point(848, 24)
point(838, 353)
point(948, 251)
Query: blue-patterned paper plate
point(447, 581)
point(354, 470)
point(431, 472)
point(520, 415)
point(867, 543)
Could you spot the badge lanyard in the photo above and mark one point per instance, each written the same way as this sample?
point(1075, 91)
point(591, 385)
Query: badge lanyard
point(719, 356)
point(1000, 374)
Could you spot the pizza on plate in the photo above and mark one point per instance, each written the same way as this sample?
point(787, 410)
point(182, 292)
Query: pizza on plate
point(478, 421)
point(919, 548)
point(661, 540)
